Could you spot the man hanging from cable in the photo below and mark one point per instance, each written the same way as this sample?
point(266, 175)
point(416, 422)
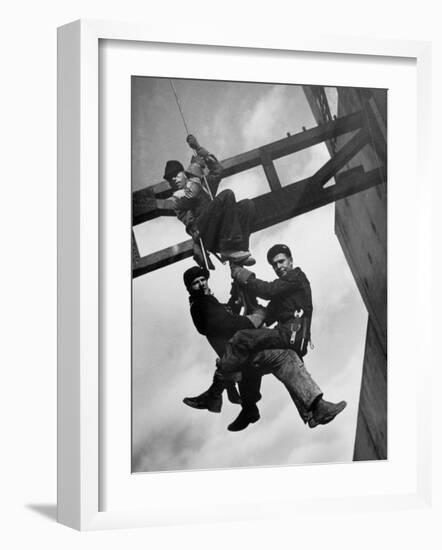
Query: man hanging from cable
point(219, 224)
point(220, 322)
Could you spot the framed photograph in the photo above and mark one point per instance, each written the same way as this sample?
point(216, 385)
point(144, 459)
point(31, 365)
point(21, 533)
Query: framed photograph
point(234, 229)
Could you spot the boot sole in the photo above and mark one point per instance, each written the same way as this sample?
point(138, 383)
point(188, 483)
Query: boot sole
point(201, 407)
point(236, 259)
point(247, 262)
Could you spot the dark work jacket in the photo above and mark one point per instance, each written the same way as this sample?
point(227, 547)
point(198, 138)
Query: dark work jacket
point(216, 321)
point(287, 294)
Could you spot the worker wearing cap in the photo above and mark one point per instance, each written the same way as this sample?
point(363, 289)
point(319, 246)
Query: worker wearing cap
point(223, 224)
point(218, 323)
point(290, 306)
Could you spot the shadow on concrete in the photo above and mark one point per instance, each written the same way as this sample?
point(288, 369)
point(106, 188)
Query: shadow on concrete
point(49, 511)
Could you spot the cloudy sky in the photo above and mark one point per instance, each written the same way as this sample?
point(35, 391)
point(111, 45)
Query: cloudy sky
point(170, 359)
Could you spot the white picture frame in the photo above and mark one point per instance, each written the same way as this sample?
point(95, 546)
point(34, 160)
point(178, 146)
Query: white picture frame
point(80, 293)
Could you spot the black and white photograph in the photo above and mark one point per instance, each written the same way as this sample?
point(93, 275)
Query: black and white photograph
point(259, 274)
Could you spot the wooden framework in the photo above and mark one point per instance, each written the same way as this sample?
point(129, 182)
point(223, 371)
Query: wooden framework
point(281, 203)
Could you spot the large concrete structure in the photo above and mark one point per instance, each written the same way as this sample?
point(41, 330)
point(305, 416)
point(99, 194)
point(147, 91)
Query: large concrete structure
point(361, 227)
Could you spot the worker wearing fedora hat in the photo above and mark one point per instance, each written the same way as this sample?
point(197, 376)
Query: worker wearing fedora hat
point(222, 223)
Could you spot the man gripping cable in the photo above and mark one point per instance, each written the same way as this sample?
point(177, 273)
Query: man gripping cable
point(222, 223)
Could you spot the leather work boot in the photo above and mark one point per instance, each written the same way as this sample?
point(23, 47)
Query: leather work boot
point(238, 257)
point(232, 393)
point(325, 411)
point(207, 400)
point(248, 261)
point(246, 416)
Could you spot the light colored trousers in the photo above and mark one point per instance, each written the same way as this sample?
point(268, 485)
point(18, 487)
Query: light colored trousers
point(286, 365)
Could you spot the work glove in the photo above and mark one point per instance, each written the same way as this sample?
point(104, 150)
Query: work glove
point(201, 156)
point(192, 190)
point(195, 234)
point(193, 142)
point(240, 274)
point(200, 153)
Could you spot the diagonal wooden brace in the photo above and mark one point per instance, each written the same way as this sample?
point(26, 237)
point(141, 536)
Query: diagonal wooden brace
point(276, 207)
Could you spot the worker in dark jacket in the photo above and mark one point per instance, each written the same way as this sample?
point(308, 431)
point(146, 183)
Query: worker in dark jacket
point(219, 323)
point(223, 224)
point(290, 305)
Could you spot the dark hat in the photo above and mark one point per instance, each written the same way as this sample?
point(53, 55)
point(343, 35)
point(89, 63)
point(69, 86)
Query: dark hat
point(278, 249)
point(192, 273)
point(173, 168)
point(195, 170)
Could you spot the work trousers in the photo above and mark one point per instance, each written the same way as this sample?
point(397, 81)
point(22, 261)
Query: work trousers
point(226, 224)
point(289, 369)
point(246, 342)
point(250, 383)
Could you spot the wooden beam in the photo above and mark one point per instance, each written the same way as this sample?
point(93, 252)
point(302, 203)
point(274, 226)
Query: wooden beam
point(340, 159)
point(275, 207)
point(164, 257)
point(270, 171)
point(293, 144)
point(145, 209)
point(144, 203)
point(135, 251)
point(301, 197)
point(161, 190)
point(150, 208)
